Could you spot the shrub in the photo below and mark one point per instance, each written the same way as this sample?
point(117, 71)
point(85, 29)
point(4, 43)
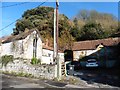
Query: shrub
point(35, 61)
point(6, 59)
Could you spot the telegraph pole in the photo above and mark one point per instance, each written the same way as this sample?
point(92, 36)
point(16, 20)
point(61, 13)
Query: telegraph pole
point(55, 54)
point(57, 4)
point(55, 49)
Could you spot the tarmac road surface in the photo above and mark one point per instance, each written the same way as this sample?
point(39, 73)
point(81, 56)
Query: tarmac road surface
point(13, 82)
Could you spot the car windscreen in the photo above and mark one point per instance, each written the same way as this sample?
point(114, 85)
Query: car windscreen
point(91, 61)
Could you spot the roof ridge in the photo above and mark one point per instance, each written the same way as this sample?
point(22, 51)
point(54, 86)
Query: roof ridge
point(19, 36)
point(97, 39)
point(91, 44)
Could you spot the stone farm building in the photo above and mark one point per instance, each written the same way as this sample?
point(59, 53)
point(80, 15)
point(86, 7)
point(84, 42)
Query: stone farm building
point(102, 49)
point(27, 45)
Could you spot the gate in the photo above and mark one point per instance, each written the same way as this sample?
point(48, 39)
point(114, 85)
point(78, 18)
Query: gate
point(63, 69)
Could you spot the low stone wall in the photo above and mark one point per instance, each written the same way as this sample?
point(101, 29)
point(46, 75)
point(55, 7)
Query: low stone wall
point(39, 71)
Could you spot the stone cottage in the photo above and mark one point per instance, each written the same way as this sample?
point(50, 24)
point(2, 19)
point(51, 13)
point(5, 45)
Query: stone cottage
point(91, 47)
point(27, 45)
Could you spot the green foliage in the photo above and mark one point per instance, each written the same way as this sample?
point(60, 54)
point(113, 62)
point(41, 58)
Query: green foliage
point(40, 11)
point(6, 59)
point(83, 15)
point(92, 15)
point(21, 74)
point(42, 18)
point(22, 24)
point(35, 61)
point(66, 40)
point(89, 25)
point(86, 25)
point(91, 31)
point(64, 23)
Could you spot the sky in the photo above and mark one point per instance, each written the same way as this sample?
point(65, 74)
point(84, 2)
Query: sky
point(70, 9)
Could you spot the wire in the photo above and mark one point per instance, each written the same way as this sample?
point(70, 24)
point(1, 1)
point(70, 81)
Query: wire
point(14, 5)
point(42, 3)
point(20, 4)
point(20, 18)
point(8, 25)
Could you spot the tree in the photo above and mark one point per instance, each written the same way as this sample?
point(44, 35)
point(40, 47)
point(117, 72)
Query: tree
point(91, 31)
point(94, 23)
point(66, 40)
point(21, 25)
point(83, 15)
point(42, 19)
point(87, 25)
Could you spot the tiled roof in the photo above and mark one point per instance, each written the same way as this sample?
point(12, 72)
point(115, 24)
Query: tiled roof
point(92, 44)
point(16, 37)
point(50, 48)
point(3, 39)
point(47, 47)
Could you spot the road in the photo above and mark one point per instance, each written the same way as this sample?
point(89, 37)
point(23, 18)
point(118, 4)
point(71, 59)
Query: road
point(12, 82)
point(102, 76)
point(9, 81)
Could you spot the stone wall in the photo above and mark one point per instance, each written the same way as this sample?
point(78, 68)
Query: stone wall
point(24, 66)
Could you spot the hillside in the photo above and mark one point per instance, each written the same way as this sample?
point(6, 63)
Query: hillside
point(87, 25)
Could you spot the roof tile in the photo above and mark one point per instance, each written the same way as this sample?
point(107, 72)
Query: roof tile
point(92, 44)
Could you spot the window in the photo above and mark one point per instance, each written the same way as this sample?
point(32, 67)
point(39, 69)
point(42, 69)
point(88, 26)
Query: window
point(49, 54)
point(34, 47)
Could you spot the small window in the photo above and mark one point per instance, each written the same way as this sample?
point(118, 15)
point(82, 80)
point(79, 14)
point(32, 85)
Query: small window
point(34, 47)
point(49, 54)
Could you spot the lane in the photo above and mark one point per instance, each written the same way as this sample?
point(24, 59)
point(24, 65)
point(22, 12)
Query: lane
point(102, 76)
point(9, 81)
point(87, 76)
point(21, 82)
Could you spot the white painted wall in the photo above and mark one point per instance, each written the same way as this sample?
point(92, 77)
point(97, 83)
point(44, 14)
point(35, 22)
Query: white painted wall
point(89, 52)
point(28, 47)
point(6, 49)
point(23, 48)
point(17, 51)
point(46, 60)
point(39, 48)
point(78, 54)
point(61, 56)
point(47, 56)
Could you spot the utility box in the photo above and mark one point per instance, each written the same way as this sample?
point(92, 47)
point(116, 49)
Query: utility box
point(71, 69)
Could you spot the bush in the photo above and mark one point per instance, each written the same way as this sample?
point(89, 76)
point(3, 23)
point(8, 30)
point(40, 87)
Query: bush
point(6, 59)
point(35, 61)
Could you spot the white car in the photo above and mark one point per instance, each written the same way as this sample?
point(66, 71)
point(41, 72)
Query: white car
point(91, 63)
